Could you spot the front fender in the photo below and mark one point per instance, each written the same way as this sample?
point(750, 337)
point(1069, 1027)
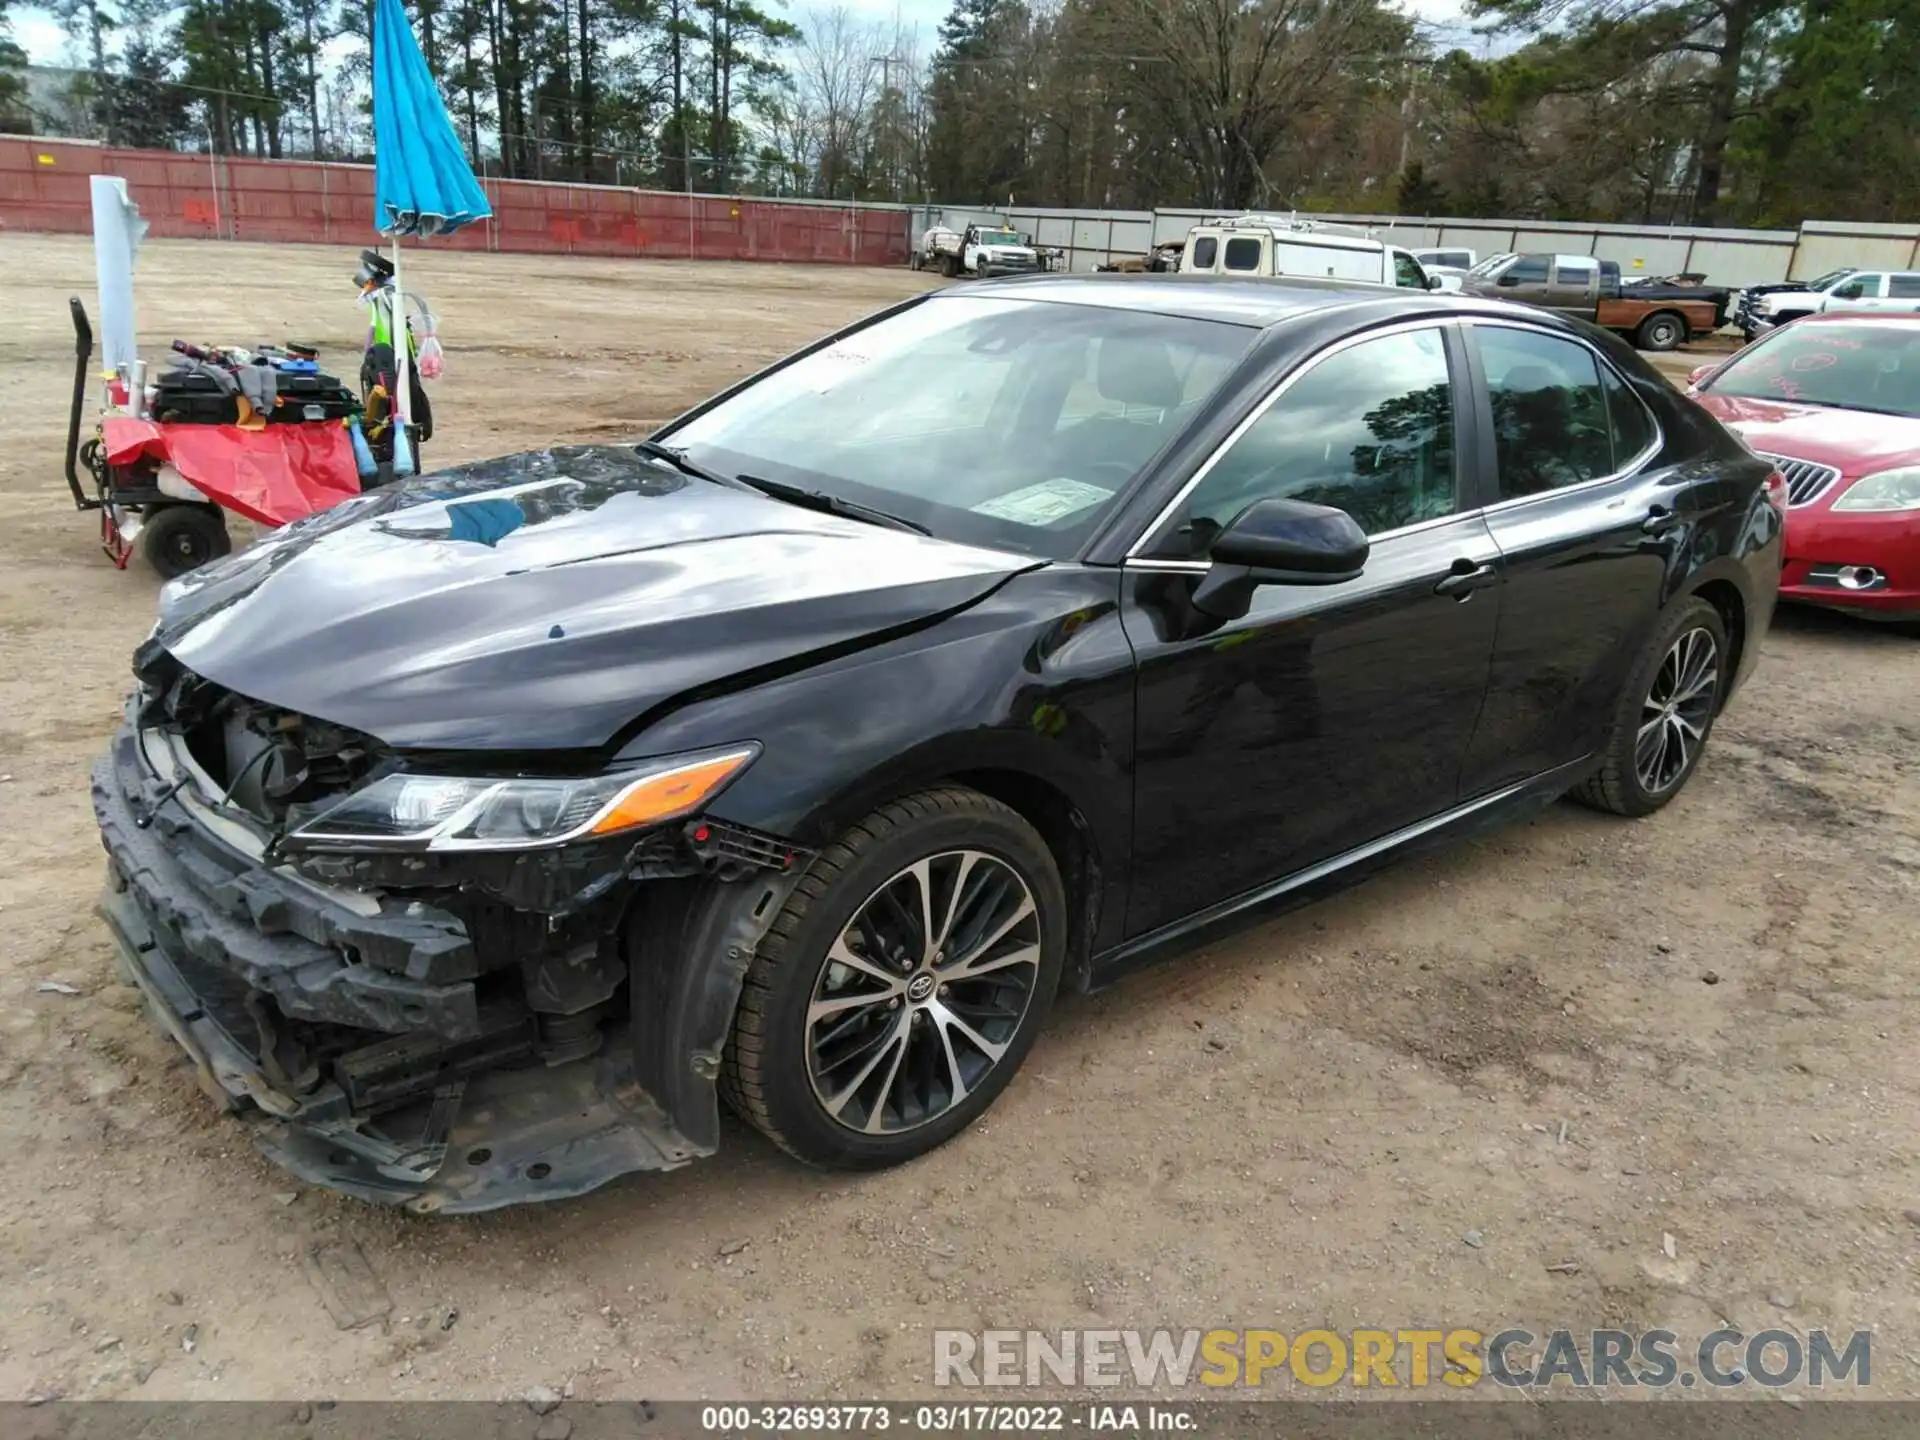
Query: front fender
point(1036, 680)
point(689, 943)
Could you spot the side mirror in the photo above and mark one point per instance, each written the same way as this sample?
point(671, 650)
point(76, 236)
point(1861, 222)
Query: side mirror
point(1279, 542)
point(1699, 373)
point(1849, 291)
point(1436, 282)
point(1508, 281)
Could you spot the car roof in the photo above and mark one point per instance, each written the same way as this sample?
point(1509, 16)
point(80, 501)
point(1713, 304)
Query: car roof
point(1232, 299)
point(1257, 302)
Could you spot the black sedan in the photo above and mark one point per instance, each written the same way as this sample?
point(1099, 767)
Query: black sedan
point(475, 838)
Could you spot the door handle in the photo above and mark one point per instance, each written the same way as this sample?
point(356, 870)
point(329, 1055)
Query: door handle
point(1465, 578)
point(1659, 520)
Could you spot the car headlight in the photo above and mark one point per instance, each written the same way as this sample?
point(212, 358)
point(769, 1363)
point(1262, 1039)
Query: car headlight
point(1888, 490)
point(446, 812)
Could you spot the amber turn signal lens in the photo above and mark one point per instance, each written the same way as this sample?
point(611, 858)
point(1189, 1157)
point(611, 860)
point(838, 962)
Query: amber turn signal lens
point(670, 793)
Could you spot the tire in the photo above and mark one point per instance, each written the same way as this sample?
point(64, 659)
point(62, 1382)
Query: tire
point(183, 537)
point(950, 266)
point(782, 1072)
point(1660, 332)
point(1623, 783)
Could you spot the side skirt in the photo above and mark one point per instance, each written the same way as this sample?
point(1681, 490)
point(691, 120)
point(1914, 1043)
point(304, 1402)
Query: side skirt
point(1336, 873)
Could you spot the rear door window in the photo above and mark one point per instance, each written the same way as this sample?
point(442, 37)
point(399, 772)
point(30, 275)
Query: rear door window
point(1903, 287)
point(1574, 272)
point(1551, 424)
point(1243, 253)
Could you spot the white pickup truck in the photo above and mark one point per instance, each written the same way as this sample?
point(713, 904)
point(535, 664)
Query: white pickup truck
point(979, 250)
point(1879, 291)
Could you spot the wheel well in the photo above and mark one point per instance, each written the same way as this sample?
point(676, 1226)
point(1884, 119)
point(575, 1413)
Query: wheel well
point(1724, 596)
point(1068, 836)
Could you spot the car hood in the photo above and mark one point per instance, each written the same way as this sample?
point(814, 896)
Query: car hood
point(1856, 442)
point(547, 601)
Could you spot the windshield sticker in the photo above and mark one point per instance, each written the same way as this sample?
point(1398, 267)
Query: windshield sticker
point(829, 368)
point(1044, 503)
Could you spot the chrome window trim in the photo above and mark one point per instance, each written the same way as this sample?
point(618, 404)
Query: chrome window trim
point(1631, 468)
point(1259, 411)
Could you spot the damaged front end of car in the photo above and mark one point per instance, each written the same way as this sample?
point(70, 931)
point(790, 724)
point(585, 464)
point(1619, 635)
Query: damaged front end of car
point(428, 983)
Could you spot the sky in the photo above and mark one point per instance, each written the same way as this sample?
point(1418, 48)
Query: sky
point(40, 35)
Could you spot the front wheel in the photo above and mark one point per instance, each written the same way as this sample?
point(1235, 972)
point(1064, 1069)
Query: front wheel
point(902, 985)
point(1665, 715)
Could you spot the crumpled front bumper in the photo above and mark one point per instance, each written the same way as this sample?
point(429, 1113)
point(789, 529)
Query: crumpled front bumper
point(209, 935)
point(505, 1137)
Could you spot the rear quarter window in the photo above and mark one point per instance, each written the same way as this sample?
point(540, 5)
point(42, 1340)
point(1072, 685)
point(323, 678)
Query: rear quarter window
point(1205, 251)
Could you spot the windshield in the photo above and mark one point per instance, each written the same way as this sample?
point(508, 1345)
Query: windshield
point(1007, 423)
point(1862, 366)
point(1832, 277)
point(999, 237)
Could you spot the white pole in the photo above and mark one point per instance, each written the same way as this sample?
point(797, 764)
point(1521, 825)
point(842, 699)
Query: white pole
point(117, 228)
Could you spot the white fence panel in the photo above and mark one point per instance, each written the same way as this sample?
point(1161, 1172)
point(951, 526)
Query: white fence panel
point(1644, 254)
point(1828, 244)
point(1741, 263)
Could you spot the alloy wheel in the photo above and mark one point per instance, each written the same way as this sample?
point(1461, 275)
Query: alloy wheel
point(1678, 708)
point(922, 992)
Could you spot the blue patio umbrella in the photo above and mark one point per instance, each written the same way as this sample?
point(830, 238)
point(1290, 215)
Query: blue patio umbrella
point(422, 183)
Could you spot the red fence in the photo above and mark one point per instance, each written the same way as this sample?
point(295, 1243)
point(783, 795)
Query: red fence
point(43, 186)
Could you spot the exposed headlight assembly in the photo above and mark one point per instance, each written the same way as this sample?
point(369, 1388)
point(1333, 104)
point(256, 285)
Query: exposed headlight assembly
point(1888, 490)
point(445, 812)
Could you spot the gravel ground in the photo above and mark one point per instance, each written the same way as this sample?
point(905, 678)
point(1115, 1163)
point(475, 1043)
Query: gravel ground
point(1581, 1072)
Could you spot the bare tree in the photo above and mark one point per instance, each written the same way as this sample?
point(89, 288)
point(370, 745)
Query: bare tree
point(835, 87)
point(1227, 80)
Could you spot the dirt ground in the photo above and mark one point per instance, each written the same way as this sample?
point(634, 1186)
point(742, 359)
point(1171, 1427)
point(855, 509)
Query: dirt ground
point(1482, 1090)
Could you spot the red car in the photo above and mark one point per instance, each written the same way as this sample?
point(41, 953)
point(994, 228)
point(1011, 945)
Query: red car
point(1834, 401)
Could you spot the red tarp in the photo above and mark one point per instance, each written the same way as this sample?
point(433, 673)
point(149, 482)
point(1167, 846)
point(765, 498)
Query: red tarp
point(271, 476)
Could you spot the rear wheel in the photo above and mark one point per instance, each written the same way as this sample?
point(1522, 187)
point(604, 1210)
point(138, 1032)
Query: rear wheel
point(950, 266)
point(184, 537)
point(1660, 332)
point(902, 985)
point(1665, 715)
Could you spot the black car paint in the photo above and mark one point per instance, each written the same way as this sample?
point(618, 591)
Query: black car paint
point(1191, 786)
point(1663, 532)
point(583, 609)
